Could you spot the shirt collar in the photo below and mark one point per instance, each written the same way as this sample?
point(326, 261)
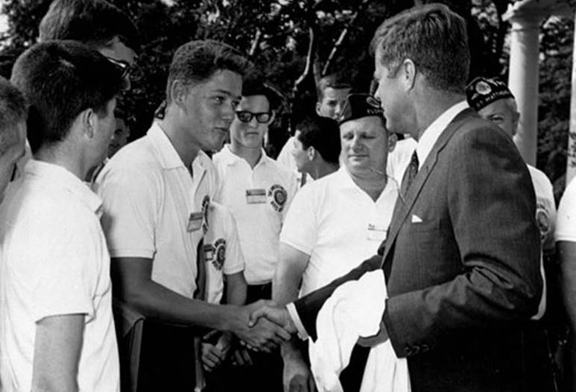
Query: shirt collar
point(57, 175)
point(434, 130)
point(230, 158)
point(167, 155)
point(344, 181)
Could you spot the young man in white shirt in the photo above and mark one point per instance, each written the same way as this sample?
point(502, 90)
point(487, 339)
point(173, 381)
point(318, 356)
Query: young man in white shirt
point(156, 193)
point(257, 191)
point(331, 93)
point(317, 147)
point(13, 112)
point(57, 330)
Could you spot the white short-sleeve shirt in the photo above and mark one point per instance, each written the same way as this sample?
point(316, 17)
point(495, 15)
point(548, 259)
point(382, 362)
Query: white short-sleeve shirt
point(286, 159)
point(546, 220)
point(258, 199)
point(566, 222)
point(155, 209)
point(222, 251)
point(545, 206)
point(54, 262)
point(338, 225)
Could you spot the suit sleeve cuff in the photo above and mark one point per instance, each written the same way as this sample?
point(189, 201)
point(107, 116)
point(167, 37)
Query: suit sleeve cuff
point(302, 334)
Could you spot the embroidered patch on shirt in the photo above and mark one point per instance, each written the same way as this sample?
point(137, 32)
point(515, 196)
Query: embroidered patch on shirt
point(278, 196)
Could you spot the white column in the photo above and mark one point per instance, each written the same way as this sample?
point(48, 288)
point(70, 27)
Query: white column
point(523, 78)
point(571, 152)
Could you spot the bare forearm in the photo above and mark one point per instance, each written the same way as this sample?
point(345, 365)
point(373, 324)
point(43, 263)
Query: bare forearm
point(288, 276)
point(156, 301)
point(285, 288)
point(236, 289)
point(57, 347)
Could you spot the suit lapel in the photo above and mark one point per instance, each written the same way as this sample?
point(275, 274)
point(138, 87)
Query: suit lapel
point(404, 203)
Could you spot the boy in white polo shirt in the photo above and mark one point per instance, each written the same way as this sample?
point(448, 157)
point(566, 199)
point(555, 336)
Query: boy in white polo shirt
point(257, 190)
point(156, 192)
point(56, 325)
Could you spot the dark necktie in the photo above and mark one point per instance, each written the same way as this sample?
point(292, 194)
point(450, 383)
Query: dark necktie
point(199, 293)
point(410, 174)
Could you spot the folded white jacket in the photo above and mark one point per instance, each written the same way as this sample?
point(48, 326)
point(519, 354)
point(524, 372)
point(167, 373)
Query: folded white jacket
point(355, 310)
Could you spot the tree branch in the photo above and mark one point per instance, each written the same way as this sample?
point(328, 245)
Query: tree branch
point(342, 36)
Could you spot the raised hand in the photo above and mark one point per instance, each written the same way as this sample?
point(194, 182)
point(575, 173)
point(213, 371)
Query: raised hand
point(277, 314)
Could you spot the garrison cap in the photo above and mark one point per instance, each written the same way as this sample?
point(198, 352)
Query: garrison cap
point(481, 92)
point(360, 105)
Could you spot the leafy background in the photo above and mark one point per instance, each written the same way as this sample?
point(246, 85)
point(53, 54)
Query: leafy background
point(295, 42)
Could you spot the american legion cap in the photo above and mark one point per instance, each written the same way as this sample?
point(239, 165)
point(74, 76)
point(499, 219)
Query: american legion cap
point(482, 91)
point(360, 105)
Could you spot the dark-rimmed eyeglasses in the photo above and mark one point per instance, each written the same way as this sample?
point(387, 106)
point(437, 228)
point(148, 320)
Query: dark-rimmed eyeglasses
point(122, 66)
point(246, 117)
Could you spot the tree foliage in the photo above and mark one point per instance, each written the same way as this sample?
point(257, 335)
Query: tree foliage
point(295, 42)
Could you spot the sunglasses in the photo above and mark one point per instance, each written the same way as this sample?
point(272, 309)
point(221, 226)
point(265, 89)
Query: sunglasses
point(246, 117)
point(122, 66)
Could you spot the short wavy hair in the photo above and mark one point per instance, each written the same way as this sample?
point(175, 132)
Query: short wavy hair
point(196, 62)
point(434, 38)
point(60, 79)
point(323, 134)
point(92, 22)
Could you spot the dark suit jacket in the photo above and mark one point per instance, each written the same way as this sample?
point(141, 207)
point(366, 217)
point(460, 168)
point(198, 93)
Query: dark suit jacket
point(462, 264)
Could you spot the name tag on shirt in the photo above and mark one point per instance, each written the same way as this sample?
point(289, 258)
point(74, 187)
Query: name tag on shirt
point(376, 233)
point(256, 196)
point(195, 221)
point(209, 252)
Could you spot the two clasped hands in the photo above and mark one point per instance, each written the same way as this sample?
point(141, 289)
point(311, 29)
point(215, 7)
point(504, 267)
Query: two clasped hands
point(260, 326)
point(270, 324)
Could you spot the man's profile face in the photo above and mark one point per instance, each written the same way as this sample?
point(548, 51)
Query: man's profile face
point(333, 101)
point(9, 159)
point(209, 109)
point(395, 101)
point(364, 145)
point(105, 128)
point(503, 114)
point(251, 134)
point(300, 155)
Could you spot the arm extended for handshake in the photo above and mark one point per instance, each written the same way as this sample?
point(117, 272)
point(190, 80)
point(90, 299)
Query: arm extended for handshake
point(133, 284)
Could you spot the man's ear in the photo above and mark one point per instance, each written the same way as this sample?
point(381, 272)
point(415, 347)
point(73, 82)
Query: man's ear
point(392, 140)
point(409, 73)
point(89, 121)
point(515, 121)
point(178, 92)
point(318, 106)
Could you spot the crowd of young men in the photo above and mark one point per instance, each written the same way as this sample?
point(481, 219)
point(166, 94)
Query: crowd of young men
point(195, 236)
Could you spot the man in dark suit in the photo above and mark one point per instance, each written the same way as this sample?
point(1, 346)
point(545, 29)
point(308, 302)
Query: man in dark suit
point(462, 252)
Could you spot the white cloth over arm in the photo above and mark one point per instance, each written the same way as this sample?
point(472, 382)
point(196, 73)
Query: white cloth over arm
point(355, 310)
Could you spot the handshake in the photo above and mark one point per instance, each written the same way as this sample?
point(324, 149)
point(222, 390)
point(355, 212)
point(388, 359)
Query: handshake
point(262, 325)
